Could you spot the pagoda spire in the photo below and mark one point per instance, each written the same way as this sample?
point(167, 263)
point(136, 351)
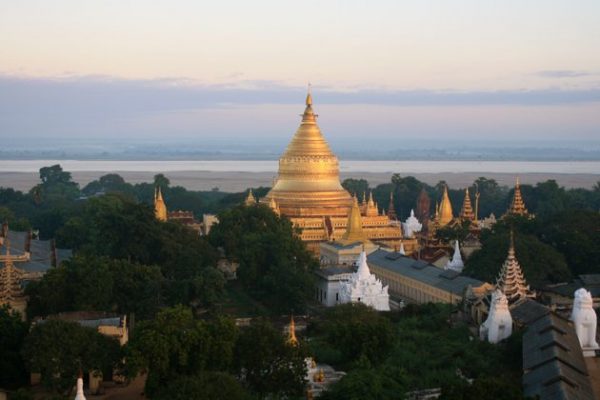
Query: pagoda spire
point(250, 199)
point(354, 229)
point(466, 212)
point(292, 339)
point(511, 280)
point(160, 208)
point(456, 263)
point(445, 211)
point(391, 213)
point(517, 205)
point(371, 208)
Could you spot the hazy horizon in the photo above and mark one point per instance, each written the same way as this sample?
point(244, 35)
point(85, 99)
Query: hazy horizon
point(399, 74)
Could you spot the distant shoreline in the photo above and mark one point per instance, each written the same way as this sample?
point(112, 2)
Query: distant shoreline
point(232, 181)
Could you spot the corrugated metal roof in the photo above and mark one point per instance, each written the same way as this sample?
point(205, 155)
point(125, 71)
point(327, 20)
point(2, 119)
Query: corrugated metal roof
point(422, 271)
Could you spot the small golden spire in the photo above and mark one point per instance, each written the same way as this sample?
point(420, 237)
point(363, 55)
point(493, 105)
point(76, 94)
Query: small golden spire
point(354, 231)
point(160, 208)
point(250, 199)
point(292, 339)
point(446, 215)
point(309, 100)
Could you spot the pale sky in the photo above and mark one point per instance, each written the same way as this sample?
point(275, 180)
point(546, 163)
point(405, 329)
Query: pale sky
point(434, 68)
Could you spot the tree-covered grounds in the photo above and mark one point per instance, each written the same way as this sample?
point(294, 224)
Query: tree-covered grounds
point(387, 355)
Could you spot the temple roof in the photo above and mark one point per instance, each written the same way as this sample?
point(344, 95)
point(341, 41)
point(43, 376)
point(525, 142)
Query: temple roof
point(422, 272)
point(553, 362)
point(517, 205)
point(511, 280)
point(466, 211)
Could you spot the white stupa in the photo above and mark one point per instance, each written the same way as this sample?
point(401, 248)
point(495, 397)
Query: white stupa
point(80, 395)
point(365, 288)
point(498, 325)
point(456, 263)
point(411, 225)
point(584, 318)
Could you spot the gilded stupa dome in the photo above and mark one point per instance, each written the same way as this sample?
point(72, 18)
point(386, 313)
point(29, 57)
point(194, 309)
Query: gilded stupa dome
point(308, 182)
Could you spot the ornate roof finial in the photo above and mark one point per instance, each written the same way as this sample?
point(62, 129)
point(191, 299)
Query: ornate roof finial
point(309, 96)
point(292, 339)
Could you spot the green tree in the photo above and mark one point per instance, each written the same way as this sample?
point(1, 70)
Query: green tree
point(274, 263)
point(575, 234)
point(267, 364)
point(357, 331)
point(367, 384)
point(175, 344)
point(59, 349)
point(356, 186)
point(12, 334)
point(540, 262)
point(205, 386)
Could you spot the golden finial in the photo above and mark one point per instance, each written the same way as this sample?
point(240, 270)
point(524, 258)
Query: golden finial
point(309, 100)
point(292, 340)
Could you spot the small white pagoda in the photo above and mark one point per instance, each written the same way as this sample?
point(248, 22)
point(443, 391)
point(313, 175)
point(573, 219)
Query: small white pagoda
point(411, 225)
point(456, 263)
point(365, 288)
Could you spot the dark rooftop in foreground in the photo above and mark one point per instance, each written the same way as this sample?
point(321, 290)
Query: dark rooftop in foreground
point(553, 364)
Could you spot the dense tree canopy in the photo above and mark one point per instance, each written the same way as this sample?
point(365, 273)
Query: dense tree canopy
point(59, 349)
point(12, 334)
point(274, 263)
point(540, 262)
point(176, 347)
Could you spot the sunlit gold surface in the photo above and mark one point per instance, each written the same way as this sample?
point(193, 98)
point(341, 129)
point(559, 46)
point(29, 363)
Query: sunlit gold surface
point(308, 192)
point(160, 208)
point(445, 210)
point(308, 183)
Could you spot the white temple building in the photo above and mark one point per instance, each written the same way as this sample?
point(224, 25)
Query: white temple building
point(498, 325)
point(411, 225)
point(364, 287)
point(456, 263)
point(584, 318)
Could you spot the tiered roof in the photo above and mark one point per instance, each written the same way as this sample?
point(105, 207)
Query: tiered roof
point(466, 212)
point(511, 280)
point(517, 206)
point(10, 279)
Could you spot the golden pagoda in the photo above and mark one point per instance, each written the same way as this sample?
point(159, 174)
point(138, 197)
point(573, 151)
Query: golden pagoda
point(354, 231)
point(517, 205)
point(308, 182)
point(250, 199)
point(445, 215)
point(466, 212)
point(160, 208)
point(308, 191)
